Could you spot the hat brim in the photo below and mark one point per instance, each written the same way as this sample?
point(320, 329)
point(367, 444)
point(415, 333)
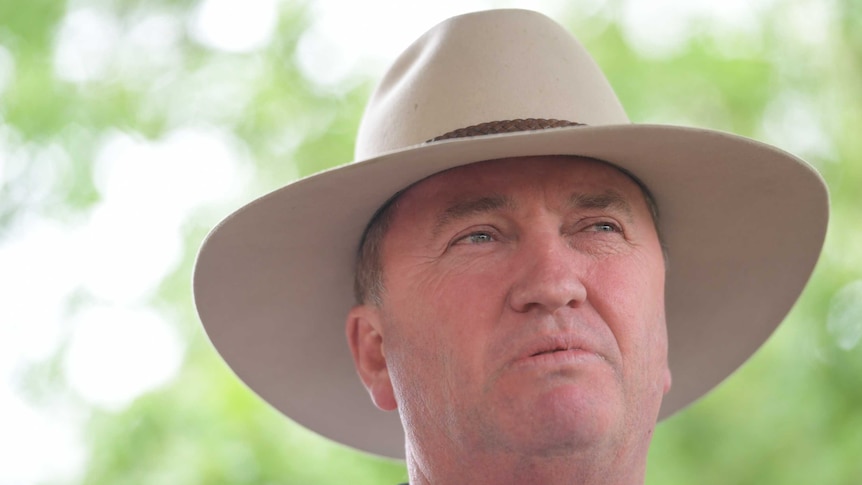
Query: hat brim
point(743, 222)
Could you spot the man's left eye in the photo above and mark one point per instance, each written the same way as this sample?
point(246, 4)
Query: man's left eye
point(479, 237)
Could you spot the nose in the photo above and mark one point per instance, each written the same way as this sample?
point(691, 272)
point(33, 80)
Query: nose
point(549, 276)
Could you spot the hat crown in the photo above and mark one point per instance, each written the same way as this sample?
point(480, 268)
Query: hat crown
point(481, 67)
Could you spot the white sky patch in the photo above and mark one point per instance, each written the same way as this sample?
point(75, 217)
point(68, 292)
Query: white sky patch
point(155, 33)
point(659, 28)
point(808, 21)
point(38, 274)
point(347, 38)
point(36, 445)
point(92, 44)
point(218, 92)
point(84, 45)
point(133, 240)
point(128, 251)
point(149, 49)
point(793, 122)
point(844, 322)
point(189, 167)
point(234, 26)
point(117, 353)
point(9, 139)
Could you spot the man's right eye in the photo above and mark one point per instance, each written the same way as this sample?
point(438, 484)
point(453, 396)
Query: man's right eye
point(478, 237)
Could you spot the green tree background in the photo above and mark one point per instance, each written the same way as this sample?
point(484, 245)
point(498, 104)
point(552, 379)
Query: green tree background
point(793, 414)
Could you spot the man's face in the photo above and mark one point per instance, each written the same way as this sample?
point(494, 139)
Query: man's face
point(523, 309)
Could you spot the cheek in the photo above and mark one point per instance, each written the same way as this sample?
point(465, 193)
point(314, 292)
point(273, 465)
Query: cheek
point(461, 299)
point(634, 312)
point(443, 321)
point(630, 297)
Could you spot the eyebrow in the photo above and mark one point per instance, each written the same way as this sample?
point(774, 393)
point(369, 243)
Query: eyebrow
point(606, 200)
point(462, 208)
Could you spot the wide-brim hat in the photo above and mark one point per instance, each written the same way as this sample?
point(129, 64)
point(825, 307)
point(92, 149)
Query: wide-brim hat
point(743, 222)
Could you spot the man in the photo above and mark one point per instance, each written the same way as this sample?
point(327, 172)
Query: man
point(533, 270)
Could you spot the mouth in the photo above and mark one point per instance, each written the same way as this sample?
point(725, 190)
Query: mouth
point(552, 344)
point(560, 349)
point(555, 350)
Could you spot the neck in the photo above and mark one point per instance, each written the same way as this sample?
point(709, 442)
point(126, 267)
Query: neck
point(501, 468)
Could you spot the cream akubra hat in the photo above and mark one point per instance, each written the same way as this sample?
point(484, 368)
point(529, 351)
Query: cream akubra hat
point(743, 221)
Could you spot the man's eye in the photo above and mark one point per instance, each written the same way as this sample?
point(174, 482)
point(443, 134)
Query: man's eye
point(477, 238)
point(605, 227)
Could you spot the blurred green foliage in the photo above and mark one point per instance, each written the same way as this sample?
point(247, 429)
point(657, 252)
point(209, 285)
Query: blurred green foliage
point(793, 414)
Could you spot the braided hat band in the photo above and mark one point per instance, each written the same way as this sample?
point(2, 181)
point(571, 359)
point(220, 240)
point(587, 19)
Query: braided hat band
point(505, 126)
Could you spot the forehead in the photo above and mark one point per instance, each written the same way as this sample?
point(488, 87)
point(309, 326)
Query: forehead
point(552, 177)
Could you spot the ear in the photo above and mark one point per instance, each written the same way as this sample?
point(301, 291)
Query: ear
point(365, 338)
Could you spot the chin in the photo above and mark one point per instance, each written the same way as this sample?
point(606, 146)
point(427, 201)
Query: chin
point(568, 417)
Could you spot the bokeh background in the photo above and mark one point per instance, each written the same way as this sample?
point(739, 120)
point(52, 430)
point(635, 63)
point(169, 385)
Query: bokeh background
point(128, 128)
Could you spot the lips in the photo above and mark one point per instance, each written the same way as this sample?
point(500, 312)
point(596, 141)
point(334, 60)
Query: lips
point(554, 344)
point(551, 351)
